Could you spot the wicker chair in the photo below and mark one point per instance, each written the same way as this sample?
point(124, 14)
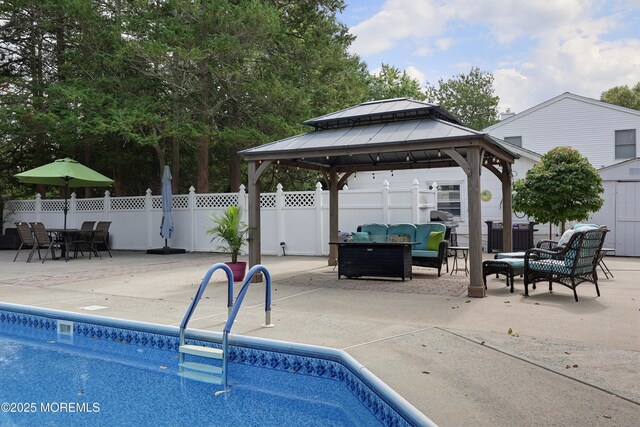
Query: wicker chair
point(43, 240)
point(571, 265)
point(100, 237)
point(26, 240)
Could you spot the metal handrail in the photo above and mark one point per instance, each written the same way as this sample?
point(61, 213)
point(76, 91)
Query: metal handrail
point(203, 285)
point(236, 308)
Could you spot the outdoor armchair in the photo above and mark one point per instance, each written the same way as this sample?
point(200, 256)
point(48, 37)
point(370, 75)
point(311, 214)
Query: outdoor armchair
point(570, 265)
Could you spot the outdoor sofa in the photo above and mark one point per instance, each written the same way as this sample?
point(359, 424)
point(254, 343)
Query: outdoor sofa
point(431, 250)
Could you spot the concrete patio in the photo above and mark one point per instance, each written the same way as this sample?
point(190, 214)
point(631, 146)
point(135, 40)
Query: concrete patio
point(452, 357)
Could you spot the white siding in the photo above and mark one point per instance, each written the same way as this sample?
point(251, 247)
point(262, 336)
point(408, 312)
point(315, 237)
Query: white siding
point(585, 125)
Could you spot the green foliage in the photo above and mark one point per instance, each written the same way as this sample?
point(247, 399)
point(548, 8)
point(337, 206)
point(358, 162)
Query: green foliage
point(229, 228)
point(391, 83)
point(469, 97)
point(623, 96)
point(127, 86)
point(564, 186)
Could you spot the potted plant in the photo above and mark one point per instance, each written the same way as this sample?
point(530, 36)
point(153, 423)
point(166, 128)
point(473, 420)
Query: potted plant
point(229, 228)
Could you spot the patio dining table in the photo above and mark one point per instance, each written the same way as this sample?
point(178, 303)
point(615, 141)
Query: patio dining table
point(66, 236)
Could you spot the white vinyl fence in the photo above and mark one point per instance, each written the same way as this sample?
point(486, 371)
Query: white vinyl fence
point(300, 219)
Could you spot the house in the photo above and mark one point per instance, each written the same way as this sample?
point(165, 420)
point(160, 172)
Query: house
point(604, 133)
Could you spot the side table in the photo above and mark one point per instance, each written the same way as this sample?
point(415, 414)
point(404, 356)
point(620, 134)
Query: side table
point(459, 252)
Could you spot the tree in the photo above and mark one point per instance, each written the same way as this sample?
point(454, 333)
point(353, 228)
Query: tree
point(391, 83)
point(623, 96)
point(564, 186)
point(469, 97)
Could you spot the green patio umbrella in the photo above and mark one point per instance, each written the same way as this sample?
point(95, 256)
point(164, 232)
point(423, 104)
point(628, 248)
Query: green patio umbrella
point(64, 173)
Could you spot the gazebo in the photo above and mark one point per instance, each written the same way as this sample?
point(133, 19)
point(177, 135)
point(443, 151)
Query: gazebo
point(390, 134)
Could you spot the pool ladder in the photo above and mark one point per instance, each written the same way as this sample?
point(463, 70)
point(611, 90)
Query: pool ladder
point(211, 373)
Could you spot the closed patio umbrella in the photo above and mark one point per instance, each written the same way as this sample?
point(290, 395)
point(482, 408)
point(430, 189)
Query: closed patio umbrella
point(166, 226)
point(64, 173)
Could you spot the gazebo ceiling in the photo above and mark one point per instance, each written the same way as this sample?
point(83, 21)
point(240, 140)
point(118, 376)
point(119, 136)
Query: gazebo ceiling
point(381, 136)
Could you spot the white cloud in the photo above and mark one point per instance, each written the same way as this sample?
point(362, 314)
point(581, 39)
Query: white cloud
point(416, 74)
point(559, 45)
point(399, 20)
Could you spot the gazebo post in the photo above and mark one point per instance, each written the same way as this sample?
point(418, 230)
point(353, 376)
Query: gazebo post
point(333, 216)
point(507, 229)
point(476, 287)
point(254, 219)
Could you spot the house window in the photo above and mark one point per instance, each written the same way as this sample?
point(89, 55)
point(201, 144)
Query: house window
point(449, 198)
point(515, 140)
point(625, 144)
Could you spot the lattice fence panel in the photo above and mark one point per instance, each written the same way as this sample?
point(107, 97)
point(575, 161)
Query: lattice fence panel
point(21, 206)
point(127, 204)
point(180, 202)
point(299, 199)
point(52, 205)
point(156, 202)
point(216, 200)
point(89, 204)
point(267, 200)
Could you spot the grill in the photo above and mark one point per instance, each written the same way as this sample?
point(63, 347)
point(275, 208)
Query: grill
point(447, 219)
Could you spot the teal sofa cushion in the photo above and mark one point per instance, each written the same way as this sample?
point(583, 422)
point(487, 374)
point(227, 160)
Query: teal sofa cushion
point(425, 254)
point(360, 236)
point(423, 231)
point(408, 230)
point(377, 232)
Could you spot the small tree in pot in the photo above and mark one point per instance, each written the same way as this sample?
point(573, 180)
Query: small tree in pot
point(229, 228)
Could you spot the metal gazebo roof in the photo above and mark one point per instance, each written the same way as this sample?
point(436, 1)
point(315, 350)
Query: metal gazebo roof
point(390, 134)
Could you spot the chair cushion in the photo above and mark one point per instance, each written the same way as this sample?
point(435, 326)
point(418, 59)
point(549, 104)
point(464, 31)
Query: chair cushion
point(550, 266)
point(435, 237)
point(581, 226)
point(507, 255)
point(424, 254)
point(360, 236)
point(514, 262)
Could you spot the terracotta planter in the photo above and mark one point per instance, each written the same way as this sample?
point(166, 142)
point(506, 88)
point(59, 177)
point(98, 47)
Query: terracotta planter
point(238, 269)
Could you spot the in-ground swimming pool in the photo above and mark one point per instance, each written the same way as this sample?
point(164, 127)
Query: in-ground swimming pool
point(112, 372)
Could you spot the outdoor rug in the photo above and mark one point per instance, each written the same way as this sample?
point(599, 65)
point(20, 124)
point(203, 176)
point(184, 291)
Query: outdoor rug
point(425, 281)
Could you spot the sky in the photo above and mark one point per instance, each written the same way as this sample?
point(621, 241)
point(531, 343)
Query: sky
point(535, 49)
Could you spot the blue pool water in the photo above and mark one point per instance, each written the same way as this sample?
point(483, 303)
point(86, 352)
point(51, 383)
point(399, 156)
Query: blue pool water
point(104, 375)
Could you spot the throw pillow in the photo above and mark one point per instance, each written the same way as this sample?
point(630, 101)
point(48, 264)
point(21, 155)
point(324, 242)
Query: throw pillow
point(398, 238)
point(566, 236)
point(435, 237)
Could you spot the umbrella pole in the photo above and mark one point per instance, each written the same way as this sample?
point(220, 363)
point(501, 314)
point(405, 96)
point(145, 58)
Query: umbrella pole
point(66, 208)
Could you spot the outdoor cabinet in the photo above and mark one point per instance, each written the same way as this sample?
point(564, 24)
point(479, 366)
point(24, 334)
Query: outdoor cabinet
point(521, 234)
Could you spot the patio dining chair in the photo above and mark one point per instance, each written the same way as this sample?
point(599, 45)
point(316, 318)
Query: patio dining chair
point(83, 238)
point(26, 240)
point(44, 240)
point(101, 237)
